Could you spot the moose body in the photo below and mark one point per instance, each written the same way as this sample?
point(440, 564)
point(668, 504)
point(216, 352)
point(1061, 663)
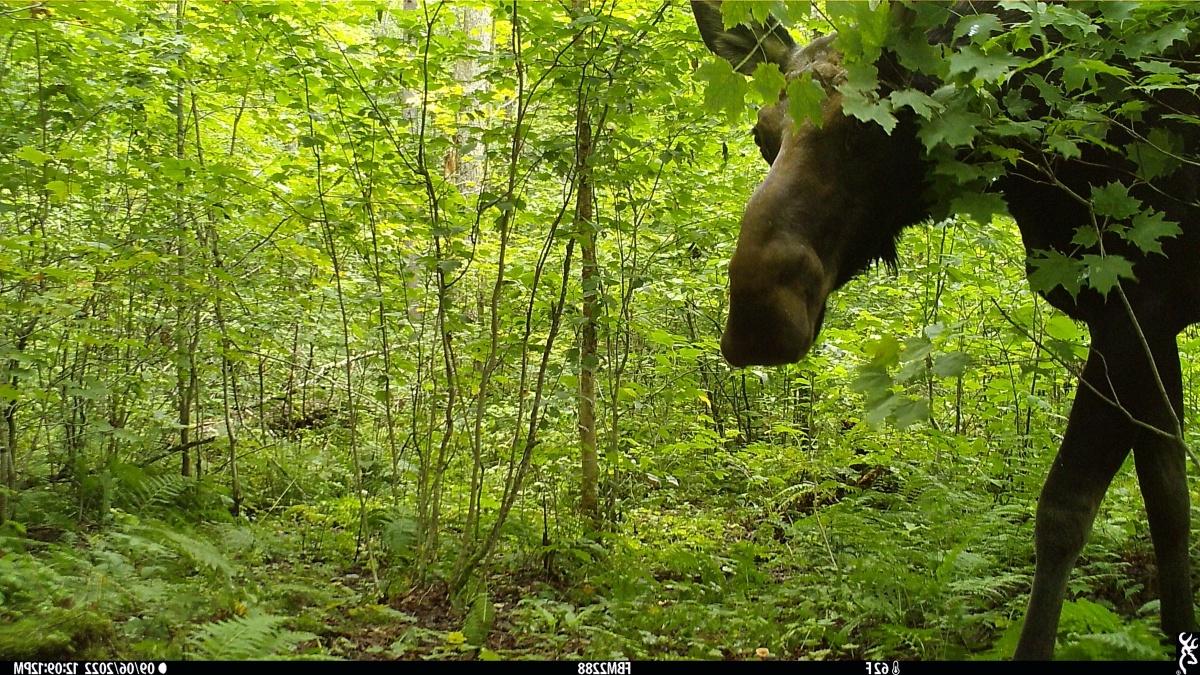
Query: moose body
point(837, 196)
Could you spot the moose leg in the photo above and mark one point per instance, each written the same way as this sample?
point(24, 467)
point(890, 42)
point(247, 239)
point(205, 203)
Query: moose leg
point(1161, 470)
point(1095, 444)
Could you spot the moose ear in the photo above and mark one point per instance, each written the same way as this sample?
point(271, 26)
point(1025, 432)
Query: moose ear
point(743, 46)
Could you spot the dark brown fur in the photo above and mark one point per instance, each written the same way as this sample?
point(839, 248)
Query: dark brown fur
point(838, 196)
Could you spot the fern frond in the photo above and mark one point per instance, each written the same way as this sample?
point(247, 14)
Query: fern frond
point(156, 490)
point(255, 636)
point(198, 551)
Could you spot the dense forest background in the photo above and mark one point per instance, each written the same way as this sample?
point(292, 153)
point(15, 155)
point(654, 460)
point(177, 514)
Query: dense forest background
point(390, 329)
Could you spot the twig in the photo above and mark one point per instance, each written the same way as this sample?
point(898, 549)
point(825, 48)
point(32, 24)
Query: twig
point(1178, 438)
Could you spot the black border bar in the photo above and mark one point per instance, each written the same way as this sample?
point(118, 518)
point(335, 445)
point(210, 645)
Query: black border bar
point(140, 667)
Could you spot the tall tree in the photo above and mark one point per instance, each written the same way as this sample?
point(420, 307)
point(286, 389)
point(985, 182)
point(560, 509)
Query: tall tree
point(585, 233)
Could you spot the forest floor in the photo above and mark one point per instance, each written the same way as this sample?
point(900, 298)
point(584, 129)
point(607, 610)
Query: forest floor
point(899, 563)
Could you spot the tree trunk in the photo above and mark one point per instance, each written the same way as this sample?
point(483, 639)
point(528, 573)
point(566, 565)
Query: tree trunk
point(585, 233)
point(184, 345)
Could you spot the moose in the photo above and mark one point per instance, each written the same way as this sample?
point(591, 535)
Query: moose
point(835, 199)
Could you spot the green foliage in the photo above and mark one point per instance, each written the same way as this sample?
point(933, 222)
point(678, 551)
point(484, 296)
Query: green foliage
point(805, 96)
point(479, 620)
point(321, 248)
point(726, 89)
point(1100, 634)
point(1097, 72)
point(767, 82)
point(244, 637)
point(56, 634)
point(145, 491)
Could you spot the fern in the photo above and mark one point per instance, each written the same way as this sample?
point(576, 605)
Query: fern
point(1085, 616)
point(256, 636)
point(25, 579)
point(1134, 643)
point(198, 551)
point(201, 552)
point(162, 489)
point(1099, 633)
point(994, 587)
point(55, 633)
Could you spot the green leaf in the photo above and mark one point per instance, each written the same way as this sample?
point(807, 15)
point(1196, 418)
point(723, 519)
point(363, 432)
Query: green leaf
point(790, 12)
point(734, 12)
point(916, 348)
point(760, 11)
point(1148, 228)
point(1028, 129)
point(987, 68)
point(1159, 68)
point(1051, 94)
point(32, 155)
point(1052, 269)
point(68, 153)
point(961, 173)
point(725, 90)
point(883, 351)
point(880, 410)
point(979, 206)
point(768, 82)
point(920, 102)
point(1115, 201)
point(1086, 236)
point(805, 98)
point(862, 28)
point(58, 191)
point(1087, 616)
point(1064, 146)
point(917, 54)
point(479, 620)
point(1117, 12)
point(1158, 156)
point(978, 27)
point(951, 364)
point(911, 411)
point(1156, 41)
point(1016, 105)
point(1105, 271)
point(954, 128)
point(1072, 22)
point(861, 77)
point(871, 382)
point(869, 109)
point(1061, 327)
point(1077, 72)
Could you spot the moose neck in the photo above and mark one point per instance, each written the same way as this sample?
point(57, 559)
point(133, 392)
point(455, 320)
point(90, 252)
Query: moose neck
point(888, 185)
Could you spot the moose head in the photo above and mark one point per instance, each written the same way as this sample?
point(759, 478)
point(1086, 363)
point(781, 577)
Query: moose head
point(834, 200)
point(836, 197)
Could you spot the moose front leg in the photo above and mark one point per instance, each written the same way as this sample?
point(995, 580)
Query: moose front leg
point(1162, 473)
point(1096, 442)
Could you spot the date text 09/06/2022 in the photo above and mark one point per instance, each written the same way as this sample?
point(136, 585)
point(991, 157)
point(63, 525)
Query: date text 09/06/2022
point(88, 668)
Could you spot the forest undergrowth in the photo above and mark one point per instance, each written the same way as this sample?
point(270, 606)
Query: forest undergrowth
point(378, 330)
point(801, 555)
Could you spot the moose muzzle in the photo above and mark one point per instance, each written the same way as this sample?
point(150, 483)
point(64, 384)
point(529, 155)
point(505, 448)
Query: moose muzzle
point(776, 305)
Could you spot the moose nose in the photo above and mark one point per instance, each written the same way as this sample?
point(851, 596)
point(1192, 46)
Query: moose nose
point(765, 332)
point(777, 293)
